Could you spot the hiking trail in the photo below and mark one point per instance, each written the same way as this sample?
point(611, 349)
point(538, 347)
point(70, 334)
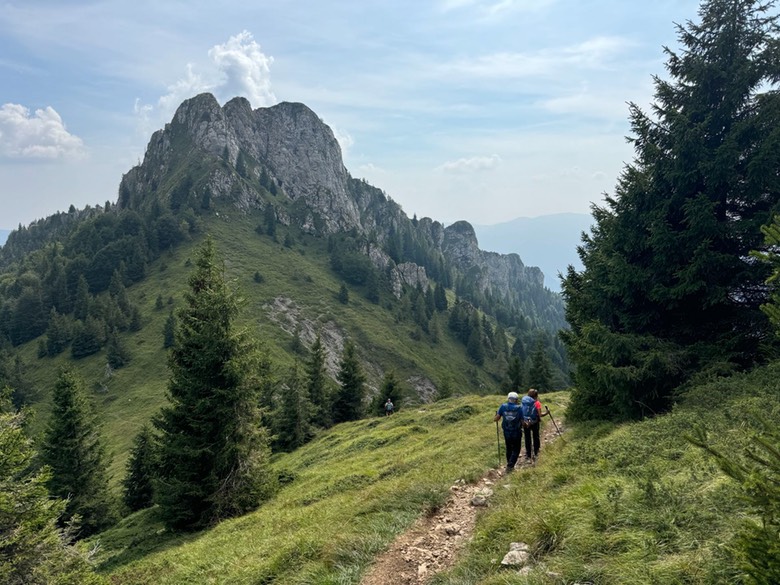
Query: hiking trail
point(432, 544)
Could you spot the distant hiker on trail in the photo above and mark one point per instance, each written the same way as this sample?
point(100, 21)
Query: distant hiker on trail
point(511, 418)
point(389, 408)
point(532, 414)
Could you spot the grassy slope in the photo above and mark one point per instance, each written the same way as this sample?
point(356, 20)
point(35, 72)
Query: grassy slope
point(633, 503)
point(352, 490)
point(129, 398)
point(629, 504)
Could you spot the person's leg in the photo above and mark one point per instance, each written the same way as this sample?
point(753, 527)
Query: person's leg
point(527, 433)
point(537, 441)
point(512, 451)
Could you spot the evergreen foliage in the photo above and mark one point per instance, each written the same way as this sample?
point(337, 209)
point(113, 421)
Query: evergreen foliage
point(348, 401)
point(772, 257)
point(294, 416)
point(540, 369)
point(169, 331)
point(213, 450)
point(391, 388)
point(758, 473)
point(317, 387)
point(668, 289)
point(33, 549)
point(74, 452)
point(343, 295)
point(141, 469)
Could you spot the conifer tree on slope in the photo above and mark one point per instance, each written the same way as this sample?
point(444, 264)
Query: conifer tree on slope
point(141, 468)
point(74, 452)
point(293, 418)
point(668, 288)
point(33, 549)
point(348, 401)
point(213, 450)
point(317, 385)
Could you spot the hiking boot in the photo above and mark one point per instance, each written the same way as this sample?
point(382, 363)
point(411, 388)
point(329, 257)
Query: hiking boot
point(509, 469)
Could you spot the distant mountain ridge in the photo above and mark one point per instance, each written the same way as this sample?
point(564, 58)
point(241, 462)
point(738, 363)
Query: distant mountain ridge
point(547, 241)
point(233, 154)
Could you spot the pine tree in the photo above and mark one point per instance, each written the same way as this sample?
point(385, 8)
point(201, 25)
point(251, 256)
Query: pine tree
point(317, 385)
point(668, 288)
point(141, 469)
point(343, 294)
point(169, 331)
point(213, 450)
point(391, 388)
point(475, 347)
point(293, 423)
point(514, 375)
point(444, 390)
point(33, 549)
point(348, 402)
point(83, 299)
point(440, 298)
point(75, 453)
point(540, 370)
point(59, 333)
point(117, 354)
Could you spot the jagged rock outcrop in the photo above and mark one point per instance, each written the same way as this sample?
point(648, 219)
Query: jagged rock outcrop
point(295, 147)
point(502, 271)
point(227, 152)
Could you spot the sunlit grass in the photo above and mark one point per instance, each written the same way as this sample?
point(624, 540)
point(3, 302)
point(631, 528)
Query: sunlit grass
point(347, 495)
point(631, 504)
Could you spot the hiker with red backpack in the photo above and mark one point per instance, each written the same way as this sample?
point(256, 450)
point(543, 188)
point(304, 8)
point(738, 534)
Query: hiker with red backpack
point(532, 414)
point(511, 417)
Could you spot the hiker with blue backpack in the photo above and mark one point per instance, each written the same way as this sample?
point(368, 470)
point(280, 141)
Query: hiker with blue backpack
point(511, 417)
point(532, 414)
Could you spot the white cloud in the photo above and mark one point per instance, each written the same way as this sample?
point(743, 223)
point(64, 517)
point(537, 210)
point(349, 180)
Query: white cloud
point(344, 139)
point(490, 8)
point(246, 70)
point(42, 136)
point(235, 68)
point(595, 53)
point(470, 165)
point(371, 168)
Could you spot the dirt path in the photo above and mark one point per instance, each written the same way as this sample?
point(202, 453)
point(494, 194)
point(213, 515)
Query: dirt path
point(432, 543)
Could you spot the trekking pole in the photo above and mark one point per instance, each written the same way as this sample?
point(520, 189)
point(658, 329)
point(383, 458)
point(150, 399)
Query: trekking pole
point(547, 408)
point(498, 445)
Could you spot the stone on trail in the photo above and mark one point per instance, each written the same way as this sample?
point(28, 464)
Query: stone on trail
point(518, 555)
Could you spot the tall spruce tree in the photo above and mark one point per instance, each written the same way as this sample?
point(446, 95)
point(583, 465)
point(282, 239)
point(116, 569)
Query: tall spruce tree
point(540, 368)
point(293, 417)
point(74, 452)
point(668, 288)
point(213, 450)
point(138, 484)
point(33, 549)
point(317, 385)
point(348, 402)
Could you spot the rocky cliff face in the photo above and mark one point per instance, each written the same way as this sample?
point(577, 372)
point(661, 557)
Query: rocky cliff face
point(288, 140)
point(503, 271)
point(234, 146)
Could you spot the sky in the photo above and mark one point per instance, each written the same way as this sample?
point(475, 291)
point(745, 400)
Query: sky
point(483, 110)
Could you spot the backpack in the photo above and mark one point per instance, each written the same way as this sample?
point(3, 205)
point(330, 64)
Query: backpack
point(511, 418)
point(389, 406)
point(530, 414)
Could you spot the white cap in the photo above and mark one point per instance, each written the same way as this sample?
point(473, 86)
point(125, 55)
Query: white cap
point(512, 396)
